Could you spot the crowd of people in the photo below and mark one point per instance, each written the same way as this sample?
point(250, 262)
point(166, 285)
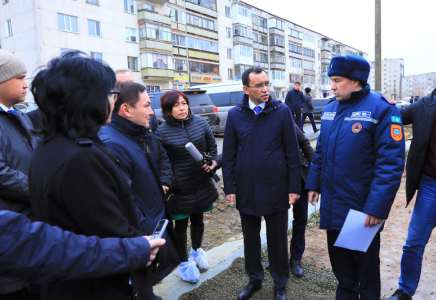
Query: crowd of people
point(95, 172)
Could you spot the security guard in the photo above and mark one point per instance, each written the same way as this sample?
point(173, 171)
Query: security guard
point(359, 160)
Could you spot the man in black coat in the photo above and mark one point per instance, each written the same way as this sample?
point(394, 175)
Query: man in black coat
point(295, 101)
point(421, 176)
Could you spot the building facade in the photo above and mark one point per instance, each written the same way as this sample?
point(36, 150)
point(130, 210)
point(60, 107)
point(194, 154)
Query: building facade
point(172, 43)
point(392, 77)
point(419, 85)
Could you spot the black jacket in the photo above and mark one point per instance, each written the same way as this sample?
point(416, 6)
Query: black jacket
point(78, 186)
point(295, 101)
point(422, 115)
point(306, 153)
point(193, 189)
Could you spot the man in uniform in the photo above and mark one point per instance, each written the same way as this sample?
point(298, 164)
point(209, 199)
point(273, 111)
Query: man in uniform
point(359, 160)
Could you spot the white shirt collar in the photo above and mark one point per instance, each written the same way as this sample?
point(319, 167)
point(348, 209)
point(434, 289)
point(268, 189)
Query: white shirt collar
point(2, 106)
point(252, 105)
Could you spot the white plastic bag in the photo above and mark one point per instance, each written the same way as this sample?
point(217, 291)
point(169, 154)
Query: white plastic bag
point(200, 258)
point(188, 271)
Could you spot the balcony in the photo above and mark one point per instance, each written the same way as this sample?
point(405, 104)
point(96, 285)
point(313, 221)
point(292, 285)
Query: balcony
point(263, 65)
point(260, 46)
point(309, 72)
point(325, 61)
point(277, 49)
point(237, 39)
point(203, 55)
point(178, 26)
point(325, 47)
point(309, 58)
point(147, 15)
point(324, 74)
point(180, 51)
point(295, 55)
point(278, 83)
point(276, 65)
point(152, 44)
point(202, 32)
point(159, 74)
point(295, 40)
point(201, 9)
point(162, 2)
point(277, 31)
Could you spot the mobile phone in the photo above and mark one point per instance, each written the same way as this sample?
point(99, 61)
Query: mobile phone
point(160, 229)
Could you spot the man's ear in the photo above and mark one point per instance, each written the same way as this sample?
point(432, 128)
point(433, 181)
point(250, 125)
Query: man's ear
point(124, 110)
point(245, 90)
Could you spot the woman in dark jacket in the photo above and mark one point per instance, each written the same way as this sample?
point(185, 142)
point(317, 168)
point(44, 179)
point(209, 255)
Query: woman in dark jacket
point(193, 192)
point(75, 182)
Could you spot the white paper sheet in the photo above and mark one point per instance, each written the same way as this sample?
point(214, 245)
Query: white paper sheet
point(354, 235)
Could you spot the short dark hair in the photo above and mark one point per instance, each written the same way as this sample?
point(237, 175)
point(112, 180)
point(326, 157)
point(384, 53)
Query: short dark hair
point(307, 90)
point(72, 93)
point(246, 74)
point(129, 93)
point(168, 100)
point(297, 82)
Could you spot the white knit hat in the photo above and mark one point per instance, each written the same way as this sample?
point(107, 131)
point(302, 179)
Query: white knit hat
point(10, 66)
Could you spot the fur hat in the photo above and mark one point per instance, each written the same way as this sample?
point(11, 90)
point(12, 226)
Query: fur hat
point(10, 66)
point(351, 66)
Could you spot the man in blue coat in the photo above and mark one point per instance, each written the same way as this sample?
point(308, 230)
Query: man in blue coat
point(359, 160)
point(134, 147)
point(261, 166)
point(295, 101)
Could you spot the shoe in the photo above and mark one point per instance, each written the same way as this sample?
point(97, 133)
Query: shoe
point(249, 290)
point(316, 130)
point(156, 297)
point(296, 267)
point(303, 131)
point(267, 266)
point(279, 295)
point(400, 295)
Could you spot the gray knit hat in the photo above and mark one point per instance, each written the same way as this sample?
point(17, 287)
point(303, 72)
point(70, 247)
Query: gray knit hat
point(10, 66)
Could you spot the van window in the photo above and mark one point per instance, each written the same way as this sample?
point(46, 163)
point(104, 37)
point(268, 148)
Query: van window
point(199, 99)
point(236, 98)
point(155, 101)
point(220, 99)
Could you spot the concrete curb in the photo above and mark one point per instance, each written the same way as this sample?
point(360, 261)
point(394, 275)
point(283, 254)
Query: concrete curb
point(220, 258)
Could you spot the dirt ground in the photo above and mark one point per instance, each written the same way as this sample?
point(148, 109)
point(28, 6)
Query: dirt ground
point(319, 281)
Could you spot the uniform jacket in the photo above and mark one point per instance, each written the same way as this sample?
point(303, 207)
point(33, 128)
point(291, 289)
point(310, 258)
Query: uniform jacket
point(41, 253)
point(194, 189)
point(307, 105)
point(133, 147)
point(422, 115)
point(295, 101)
point(16, 146)
point(78, 186)
point(359, 158)
point(261, 162)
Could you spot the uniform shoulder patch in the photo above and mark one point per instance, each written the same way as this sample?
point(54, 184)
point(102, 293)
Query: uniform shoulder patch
point(396, 132)
point(391, 102)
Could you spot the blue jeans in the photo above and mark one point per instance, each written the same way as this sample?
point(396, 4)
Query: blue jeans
point(421, 225)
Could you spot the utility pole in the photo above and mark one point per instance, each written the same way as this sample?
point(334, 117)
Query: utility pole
point(378, 65)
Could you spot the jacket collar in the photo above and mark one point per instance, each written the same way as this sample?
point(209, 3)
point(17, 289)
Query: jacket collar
point(126, 126)
point(178, 123)
point(270, 105)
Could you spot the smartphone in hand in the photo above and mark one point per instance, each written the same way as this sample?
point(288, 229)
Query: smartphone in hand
point(160, 229)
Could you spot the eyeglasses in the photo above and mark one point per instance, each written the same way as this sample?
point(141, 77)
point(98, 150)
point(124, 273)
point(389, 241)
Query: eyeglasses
point(260, 86)
point(114, 93)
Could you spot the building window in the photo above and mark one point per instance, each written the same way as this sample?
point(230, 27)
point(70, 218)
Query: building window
point(132, 63)
point(179, 40)
point(228, 32)
point(230, 71)
point(177, 15)
point(278, 58)
point(309, 39)
point(277, 24)
point(155, 32)
point(180, 65)
point(206, 3)
point(279, 75)
point(97, 55)
point(308, 52)
point(202, 45)
point(295, 63)
point(8, 28)
point(200, 22)
point(67, 23)
point(309, 66)
point(295, 33)
point(199, 67)
point(130, 34)
point(152, 88)
point(94, 28)
point(243, 31)
point(245, 51)
point(147, 6)
point(129, 6)
point(276, 40)
point(229, 53)
point(244, 11)
point(228, 12)
point(92, 1)
point(295, 48)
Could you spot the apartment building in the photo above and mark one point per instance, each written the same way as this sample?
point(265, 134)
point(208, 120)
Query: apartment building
point(418, 85)
point(392, 75)
point(173, 43)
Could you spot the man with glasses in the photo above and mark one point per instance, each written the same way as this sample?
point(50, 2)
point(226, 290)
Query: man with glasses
point(261, 167)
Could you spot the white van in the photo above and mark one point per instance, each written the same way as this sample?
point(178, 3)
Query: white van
point(225, 95)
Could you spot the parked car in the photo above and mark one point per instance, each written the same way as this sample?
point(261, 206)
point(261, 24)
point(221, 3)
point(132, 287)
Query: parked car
point(199, 102)
point(26, 107)
point(225, 95)
point(318, 106)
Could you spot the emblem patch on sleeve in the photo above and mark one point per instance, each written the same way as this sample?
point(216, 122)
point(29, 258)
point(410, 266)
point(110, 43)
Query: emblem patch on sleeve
point(356, 128)
point(396, 132)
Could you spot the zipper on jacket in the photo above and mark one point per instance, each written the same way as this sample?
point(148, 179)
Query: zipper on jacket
point(195, 174)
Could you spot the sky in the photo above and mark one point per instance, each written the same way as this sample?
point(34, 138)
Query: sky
point(408, 26)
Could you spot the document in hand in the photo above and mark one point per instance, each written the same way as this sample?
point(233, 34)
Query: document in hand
point(354, 235)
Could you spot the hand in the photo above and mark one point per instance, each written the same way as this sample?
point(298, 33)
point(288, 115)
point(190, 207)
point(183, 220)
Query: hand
point(165, 188)
point(230, 198)
point(154, 247)
point(313, 197)
point(293, 198)
point(372, 221)
point(208, 168)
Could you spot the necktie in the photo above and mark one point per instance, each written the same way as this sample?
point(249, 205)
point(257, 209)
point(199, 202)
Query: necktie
point(11, 111)
point(257, 110)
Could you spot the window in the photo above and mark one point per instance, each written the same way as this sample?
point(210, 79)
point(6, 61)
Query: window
point(243, 31)
point(309, 39)
point(245, 51)
point(229, 53)
point(308, 52)
point(202, 45)
point(277, 24)
point(132, 63)
point(97, 55)
point(206, 3)
point(230, 71)
point(94, 28)
point(308, 66)
point(180, 65)
point(295, 48)
point(203, 68)
point(177, 15)
point(179, 40)
point(257, 20)
point(279, 75)
point(243, 11)
point(278, 58)
point(147, 6)
point(130, 34)
point(228, 12)
point(295, 33)
point(160, 60)
point(276, 40)
point(257, 56)
point(155, 32)
point(200, 22)
point(67, 23)
point(92, 1)
point(240, 69)
point(152, 88)
point(129, 6)
point(228, 32)
point(8, 28)
point(295, 63)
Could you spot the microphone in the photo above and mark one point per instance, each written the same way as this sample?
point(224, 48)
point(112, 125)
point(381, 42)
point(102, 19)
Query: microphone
point(202, 159)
